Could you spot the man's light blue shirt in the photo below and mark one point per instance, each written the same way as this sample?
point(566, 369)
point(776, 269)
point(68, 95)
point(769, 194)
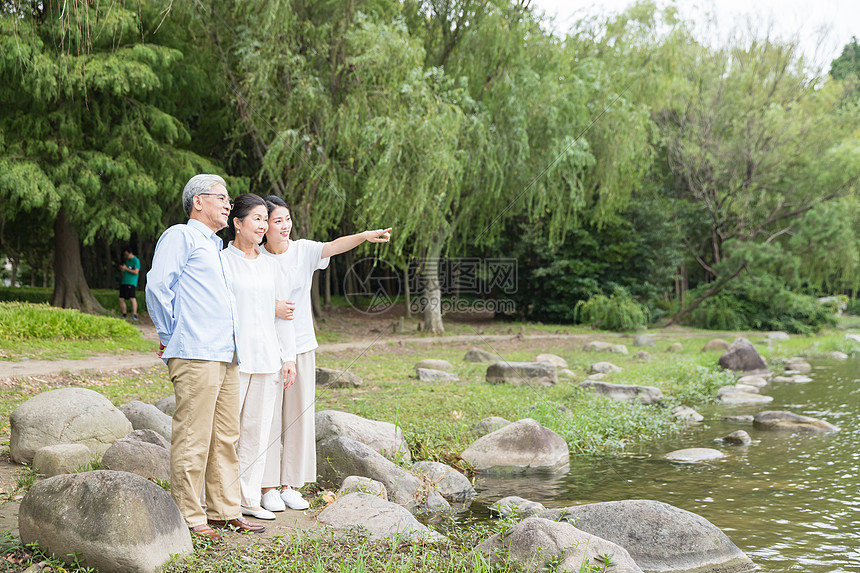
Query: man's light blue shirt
point(188, 295)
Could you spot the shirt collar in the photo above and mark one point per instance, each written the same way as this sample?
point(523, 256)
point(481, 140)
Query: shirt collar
point(207, 232)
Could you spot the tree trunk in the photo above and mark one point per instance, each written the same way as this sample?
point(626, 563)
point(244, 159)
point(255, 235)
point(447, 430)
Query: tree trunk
point(315, 295)
point(407, 293)
point(432, 287)
point(718, 286)
point(70, 285)
point(328, 285)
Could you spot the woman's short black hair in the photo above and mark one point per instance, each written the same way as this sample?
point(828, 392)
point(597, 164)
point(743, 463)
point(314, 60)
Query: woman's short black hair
point(241, 207)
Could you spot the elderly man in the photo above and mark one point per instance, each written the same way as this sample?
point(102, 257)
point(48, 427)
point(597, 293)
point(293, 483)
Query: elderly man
point(192, 306)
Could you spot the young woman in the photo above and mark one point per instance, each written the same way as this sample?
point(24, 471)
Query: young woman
point(297, 261)
point(266, 360)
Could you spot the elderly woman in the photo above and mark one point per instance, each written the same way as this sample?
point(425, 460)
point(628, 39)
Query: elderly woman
point(266, 360)
point(297, 261)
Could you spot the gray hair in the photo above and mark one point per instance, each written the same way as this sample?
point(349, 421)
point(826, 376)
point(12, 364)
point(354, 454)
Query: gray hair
point(197, 185)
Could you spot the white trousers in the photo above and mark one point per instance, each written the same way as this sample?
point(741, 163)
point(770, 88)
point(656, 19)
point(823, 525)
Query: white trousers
point(258, 395)
point(294, 421)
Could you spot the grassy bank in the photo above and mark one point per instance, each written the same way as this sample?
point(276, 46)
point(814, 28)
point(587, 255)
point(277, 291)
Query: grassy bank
point(437, 419)
point(29, 330)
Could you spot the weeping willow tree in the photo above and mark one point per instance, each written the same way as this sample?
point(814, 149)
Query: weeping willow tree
point(358, 116)
point(89, 133)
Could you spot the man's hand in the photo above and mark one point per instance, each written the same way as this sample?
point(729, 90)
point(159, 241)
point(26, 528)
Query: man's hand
point(160, 350)
point(284, 309)
point(289, 372)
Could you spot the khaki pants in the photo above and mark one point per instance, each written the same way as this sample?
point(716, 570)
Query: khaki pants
point(203, 444)
point(295, 422)
point(259, 395)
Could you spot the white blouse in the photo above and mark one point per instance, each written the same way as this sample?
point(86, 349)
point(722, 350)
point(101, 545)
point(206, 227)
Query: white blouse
point(258, 346)
point(297, 266)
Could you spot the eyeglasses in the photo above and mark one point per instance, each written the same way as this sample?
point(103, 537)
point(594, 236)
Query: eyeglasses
point(225, 199)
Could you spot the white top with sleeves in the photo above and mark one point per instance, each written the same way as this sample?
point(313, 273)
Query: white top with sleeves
point(297, 267)
point(253, 284)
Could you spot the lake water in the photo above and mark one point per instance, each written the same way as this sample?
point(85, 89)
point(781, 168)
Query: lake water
point(790, 502)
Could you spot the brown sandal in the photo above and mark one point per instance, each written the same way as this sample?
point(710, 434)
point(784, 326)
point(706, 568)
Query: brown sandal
point(205, 531)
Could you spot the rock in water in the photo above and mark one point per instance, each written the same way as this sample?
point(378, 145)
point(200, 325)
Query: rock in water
point(788, 422)
point(65, 416)
point(115, 521)
point(693, 455)
point(625, 392)
point(741, 356)
point(534, 542)
point(659, 537)
point(522, 445)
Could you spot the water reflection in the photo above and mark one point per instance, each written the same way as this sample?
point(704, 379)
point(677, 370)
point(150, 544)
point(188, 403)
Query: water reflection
point(789, 501)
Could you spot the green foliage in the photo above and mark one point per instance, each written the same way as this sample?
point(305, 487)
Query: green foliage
point(25, 321)
point(761, 303)
point(108, 298)
point(618, 312)
point(853, 307)
point(848, 62)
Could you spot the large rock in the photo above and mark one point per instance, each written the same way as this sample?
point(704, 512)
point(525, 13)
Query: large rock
point(687, 414)
point(799, 365)
point(643, 340)
point(618, 349)
point(788, 422)
point(854, 337)
point(453, 485)
point(352, 484)
point(383, 437)
point(147, 417)
point(478, 355)
point(488, 425)
point(142, 452)
point(741, 356)
point(604, 368)
point(522, 373)
point(514, 504)
point(429, 375)
point(675, 347)
point(659, 537)
point(65, 416)
point(523, 445)
point(331, 378)
point(435, 364)
point(535, 542)
point(558, 361)
point(745, 398)
point(61, 459)
point(778, 336)
point(597, 346)
point(342, 457)
point(625, 392)
point(381, 519)
point(716, 345)
point(113, 521)
point(694, 455)
point(167, 405)
point(756, 381)
point(736, 438)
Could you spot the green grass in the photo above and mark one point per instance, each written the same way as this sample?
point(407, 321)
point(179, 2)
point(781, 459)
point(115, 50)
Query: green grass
point(42, 331)
point(107, 297)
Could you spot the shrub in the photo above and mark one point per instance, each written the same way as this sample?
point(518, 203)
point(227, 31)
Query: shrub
point(21, 321)
point(617, 312)
point(761, 303)
point(853, 307)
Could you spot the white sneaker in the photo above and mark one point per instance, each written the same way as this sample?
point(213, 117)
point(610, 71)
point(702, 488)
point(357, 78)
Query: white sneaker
point(272, 501)
point(258, 513)
point(293, 499)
